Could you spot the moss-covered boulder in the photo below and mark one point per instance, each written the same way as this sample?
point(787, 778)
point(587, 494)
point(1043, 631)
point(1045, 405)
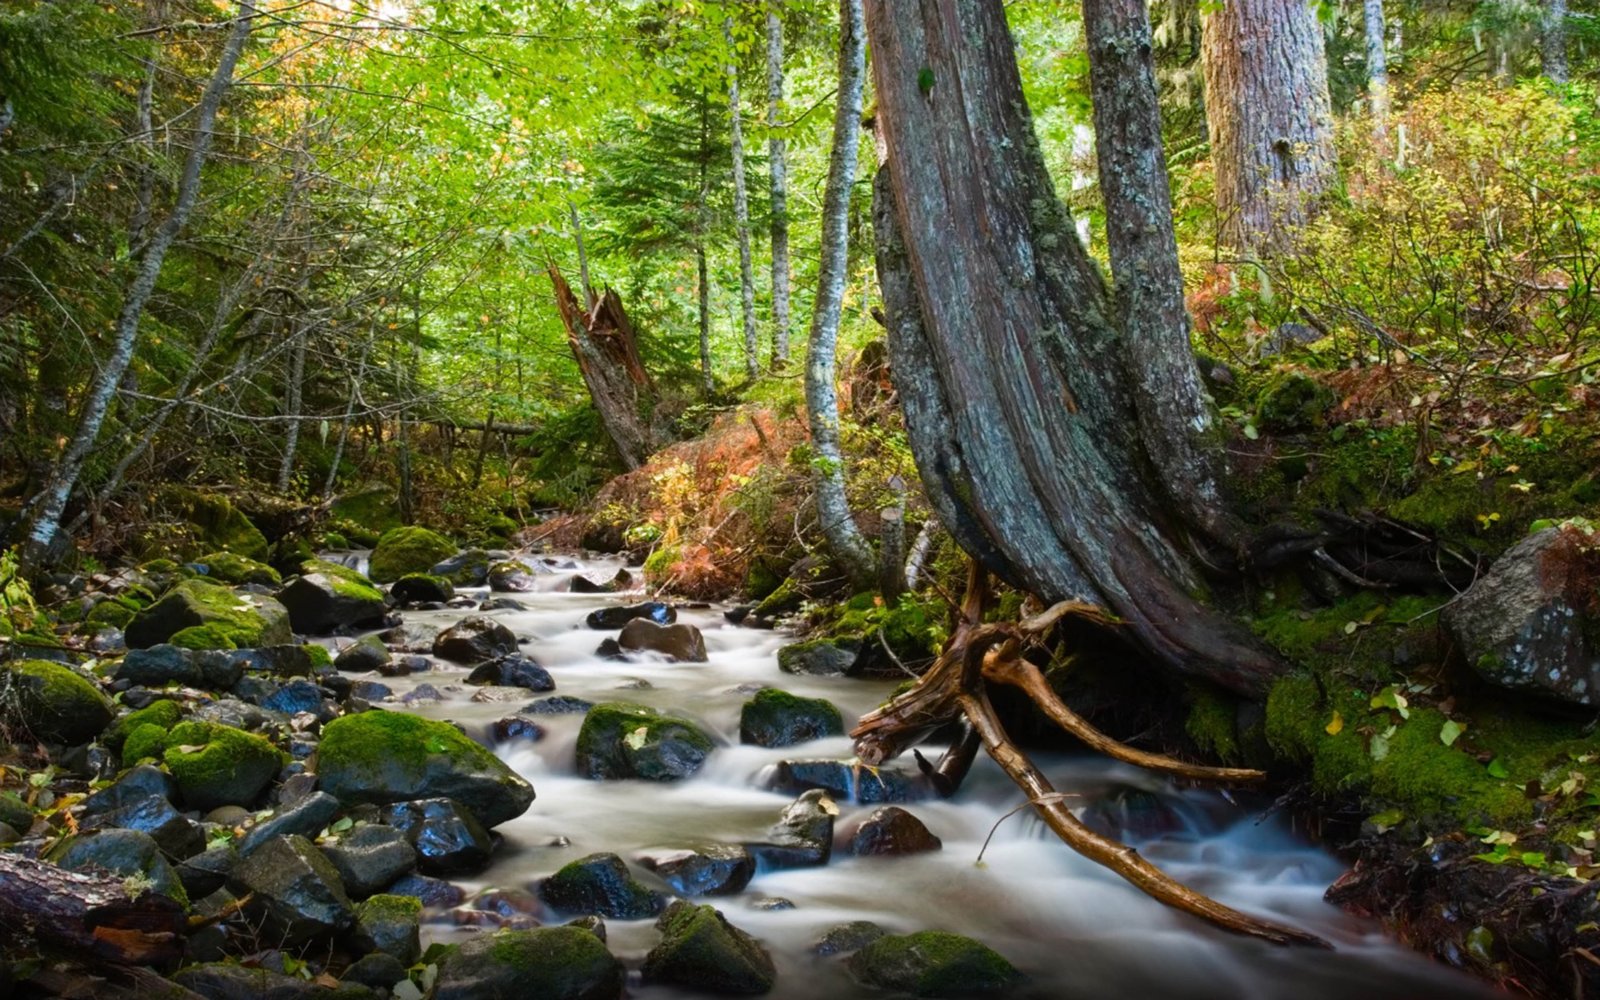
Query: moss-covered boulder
point(775, 718)
point(468, 568)
point(416, 588)
point(384, 757)
point(702, 952)
point(550, 963)
point(1293, 402)
point(215, 524)
point(132, 854)
point(373, 510)
point(230, 567)
point(146, 741)
point(390, 924)
point(933, 964)
point(624, 740)
point(52, 702)
point(408, 550)
point(164, 713)
point(110, 613)
point(245, 620)
point(216, 765)
point(327, 596)
point(602, 885)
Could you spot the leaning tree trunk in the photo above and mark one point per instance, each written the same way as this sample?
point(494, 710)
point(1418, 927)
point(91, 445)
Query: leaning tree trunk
point(44, 517)
point(777, 170)
point(1553, 41)
point(1377, 67)
point(741, 214)
point(607, 351)
point(1027, 405)
point(1269, 115)
point(822, 400)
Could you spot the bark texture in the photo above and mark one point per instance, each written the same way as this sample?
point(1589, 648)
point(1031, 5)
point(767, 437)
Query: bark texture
point(778, 177)
point(822, 400)
point(1377, 66)
point(88, 913)
point(607, 351)
point(1553, 41)
point(1019, 386)
point(741, 215)
point(1269, 115)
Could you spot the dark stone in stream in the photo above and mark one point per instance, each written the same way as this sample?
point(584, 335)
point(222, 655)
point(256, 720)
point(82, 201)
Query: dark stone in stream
point(890, 830)
point(847, 781)
point(624, 740)
point(370, 857)
point(775, 718)
point(508, 903)
point(402, 666)
point(387, 924)
point(299, 696)
point(447, 838)
point(803, 835)
point(435, 893)
point(422, 694)
point(322, 603)
point(513, 671)
point(854, 936)
point(611, 619)
point(681, 643)
point(550, 963)
point(367, 653)
point(512, 576)
point(422, 588)
point(410, 637)
point(231, 981)
point(701, 951)
point(1131, 815)
point(295, 893)
point(559, 705)
point(305, 818)
point(933, 964)
point(178, 836)
point(502, 604)
point(370, 690)
point(469, 568)
point(516, 728)
point(819, 657)
point(704, 870)
point(600, 884)
point(473, 640)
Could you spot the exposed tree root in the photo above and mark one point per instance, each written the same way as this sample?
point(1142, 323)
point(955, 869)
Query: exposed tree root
point(954, 689)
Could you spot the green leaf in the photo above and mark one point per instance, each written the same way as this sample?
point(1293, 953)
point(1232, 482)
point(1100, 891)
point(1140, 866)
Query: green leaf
point(1450, 732)
point(1497, 769)
point(925, 79)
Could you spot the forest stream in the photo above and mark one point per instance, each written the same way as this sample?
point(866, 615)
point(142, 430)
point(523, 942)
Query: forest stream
point(1071, 926)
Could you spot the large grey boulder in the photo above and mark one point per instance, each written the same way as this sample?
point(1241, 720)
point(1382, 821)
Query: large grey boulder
point(550, 963)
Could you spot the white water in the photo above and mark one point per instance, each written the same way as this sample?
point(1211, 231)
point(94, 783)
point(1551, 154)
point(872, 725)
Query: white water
point(1075, 929)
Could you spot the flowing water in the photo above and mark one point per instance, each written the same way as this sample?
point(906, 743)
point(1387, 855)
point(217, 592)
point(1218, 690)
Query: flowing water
point(1075, 929)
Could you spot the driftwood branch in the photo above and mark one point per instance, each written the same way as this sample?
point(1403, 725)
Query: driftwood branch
point(91, 913)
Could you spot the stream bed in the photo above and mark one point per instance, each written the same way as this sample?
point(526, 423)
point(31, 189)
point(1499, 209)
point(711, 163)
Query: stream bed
point(1073, 928)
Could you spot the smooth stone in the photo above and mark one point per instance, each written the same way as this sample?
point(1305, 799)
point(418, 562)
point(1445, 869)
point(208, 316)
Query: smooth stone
point(295, 893)
point(612, 619)
point(371, 857)
point(600, 884)
point(446, 837)
point(890, 830)
point(681, 643)
point(705, 870)
point(473, 640)
point(701, 951)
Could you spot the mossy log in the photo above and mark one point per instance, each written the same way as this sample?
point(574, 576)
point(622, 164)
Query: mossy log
point(89, 913)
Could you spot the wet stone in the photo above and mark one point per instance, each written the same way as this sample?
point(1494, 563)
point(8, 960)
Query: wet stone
point(559, 705)
point(705, 870)
point(474, 640)
point(803, 835)
point(681, 643)
point(888, 831)
point(366, 653)
point(613, 619)
point(516, 728)
point(296, 894)
point(549, 963)
point(847, 781)
point(410, 637)
point(702, 952)
point(516, 671)
point(371, 857)
point(600, 884)
point(447, 838)
point(435, 893)
point(846, 938)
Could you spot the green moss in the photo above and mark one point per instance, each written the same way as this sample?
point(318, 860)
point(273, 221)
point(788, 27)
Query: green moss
point(164, 713)
point(408, 550)
point(1211, 724)
point(1293, 401)
point(659, 562)
point(318, 655)
point(371, 740)
point(335, 541)
point(621, 738)
point(913, 626)
point(242, 619)
point(110, 613)
point(374, 510)
point(147, 741)
point(203, 637)
point(933, 964)
point(218, 765)
point(215, 524)
point(230, 567)
point(346, 581)
point(53, 702)
point(386, 907)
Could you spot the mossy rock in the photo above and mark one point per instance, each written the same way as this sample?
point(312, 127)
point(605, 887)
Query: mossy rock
point(373, 510)
point(934, 964)
point(416, 588)
point(132, 854)
point(383, 757)
point(408, 550)
point(327, 596)
point(600, 884)
point(216, 525)
point(146, 741)
point(164, 713)
point(110, 613)
point(623, 740)
point(334, 541)
point(701, 951)
point(230, 567)
point(1293, 402)
point(203, 637)
point(318, 656)
point(52, 702)
point(388, 924)
point(775, 718)
point(216, 765)
point(549, 963)
point(246, 620)
point(16, 813)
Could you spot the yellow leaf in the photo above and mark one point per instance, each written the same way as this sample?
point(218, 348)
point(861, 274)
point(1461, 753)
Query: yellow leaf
point(1335, 725)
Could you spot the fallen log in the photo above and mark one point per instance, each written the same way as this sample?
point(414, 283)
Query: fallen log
point(91, 913)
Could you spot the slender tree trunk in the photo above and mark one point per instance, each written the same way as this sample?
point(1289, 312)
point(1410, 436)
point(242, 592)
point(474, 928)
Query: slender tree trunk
point(1553, 41)
point(1377, 66)
point(777, 171)
point(145, 124)
point(349, 412)
point(46, 509)
point(1013, 363)
point(822, 401)
point(741, 216)
point(406, 498)
point(702, 265)
point(583, 256)
point(1269, 115)
point(294, 394)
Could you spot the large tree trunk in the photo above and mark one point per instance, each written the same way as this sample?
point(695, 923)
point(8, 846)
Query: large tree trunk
point(822, 401)
point(607, 351)
point(741, 214)
point(44, 516)
point(702, 234)
point(777, 170)
point(1026, 403)
point(1269, 115)
point(1553, 41)
point(1377, 66)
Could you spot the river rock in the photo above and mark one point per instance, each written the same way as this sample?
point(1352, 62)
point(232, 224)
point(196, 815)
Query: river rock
point(515, 671)
point(297, 697)
point(375, 970)
point(502, 604)
point(473, 640)
point(232, 981)
point(704, 870)
point(128, 853)
point(600, 884)
point(819, 657)
point(845, 938)
point(284, 660)
point(890, 830)
point(624, 740)
point(422, 588)
point(1529, 623)
point(161, 665)
point(611, 619)
point(447, 839)
point(559, 705)
point(217, 765)
point(433, 893)
point(1131, 815)
point(53, 703)
point(208, 871)
point(385, 757)
point(933, 964)
point(846, 780)
point(701, 951)
point(370, 857)
point(803, 835)
point(305, 818)
point(512, 576)
point(326, 597)
point(775, 718)
point(469, 568)
point(388, 924)
point(410, 637)
point(133, 785)
point(178, 836)
point(682, 642)
point(365, 654)
point(620, 580)
point(549, 963)
point(230, 567)
point(295, 892)
point(516, 727)
point(408, 549)
point(235, 619)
